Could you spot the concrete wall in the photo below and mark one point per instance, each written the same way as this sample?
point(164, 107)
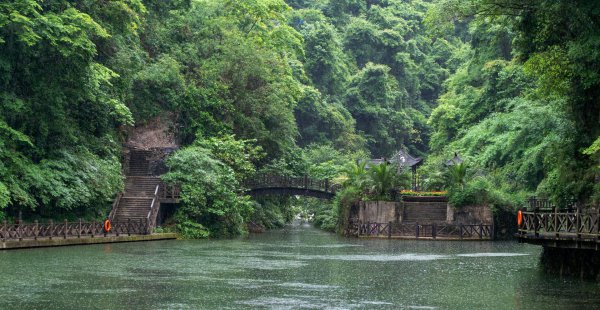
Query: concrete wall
point(473, 215)
point(378, 211)
point(391, 211)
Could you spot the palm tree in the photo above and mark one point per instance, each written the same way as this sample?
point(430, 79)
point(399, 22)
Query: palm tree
point(458, 173)
point(355, 174)
point(383, 179)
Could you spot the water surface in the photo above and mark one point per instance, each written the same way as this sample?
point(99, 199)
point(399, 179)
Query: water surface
point(294, 268)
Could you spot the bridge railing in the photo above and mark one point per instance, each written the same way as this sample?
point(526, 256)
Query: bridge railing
point(67, 229)
point(279, 181)
point(554, 224)
point(426, 230)
point(545, 204)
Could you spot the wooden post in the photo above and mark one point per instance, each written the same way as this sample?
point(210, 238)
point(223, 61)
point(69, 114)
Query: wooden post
point(36, 229)
point(536, 222)
point(433, 230)
point(597, 223)
point(79, 229)
point(556, 221)
point(417, 230)
point(389, 230)
point(51, 229)
point(578, 221)
point(461, 231)
point(65, 230)
point(128, 224)
point(480, 231)
point(19, 232)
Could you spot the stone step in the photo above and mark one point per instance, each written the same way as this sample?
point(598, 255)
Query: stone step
point(419, 212)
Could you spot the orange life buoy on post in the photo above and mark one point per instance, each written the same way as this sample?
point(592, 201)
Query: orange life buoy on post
point(519, 218)
point(107, 226)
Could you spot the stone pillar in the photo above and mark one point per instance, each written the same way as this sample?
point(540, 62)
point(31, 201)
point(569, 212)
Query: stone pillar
point(449, 213)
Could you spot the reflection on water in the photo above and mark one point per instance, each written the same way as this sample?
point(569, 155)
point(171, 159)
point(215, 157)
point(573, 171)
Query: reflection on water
point(295, 268)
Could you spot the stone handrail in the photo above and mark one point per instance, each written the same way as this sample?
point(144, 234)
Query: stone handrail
point(153, 213)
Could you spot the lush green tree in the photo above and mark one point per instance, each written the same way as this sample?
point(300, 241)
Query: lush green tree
point(58, 107)
point(525, 90)
point(211, 193)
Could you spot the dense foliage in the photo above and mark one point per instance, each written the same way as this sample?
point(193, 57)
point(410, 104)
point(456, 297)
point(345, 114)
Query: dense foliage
point(523, 105)
point(298, 88)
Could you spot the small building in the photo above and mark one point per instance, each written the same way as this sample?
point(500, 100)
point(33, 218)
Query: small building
point(454, 160)
point(404, 160)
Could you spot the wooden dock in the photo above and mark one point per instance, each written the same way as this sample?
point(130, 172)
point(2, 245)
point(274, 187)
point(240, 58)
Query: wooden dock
point(568, 230)
point(30, 235)
point(85, 240)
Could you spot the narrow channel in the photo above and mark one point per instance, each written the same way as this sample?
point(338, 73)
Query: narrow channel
point(298, 267)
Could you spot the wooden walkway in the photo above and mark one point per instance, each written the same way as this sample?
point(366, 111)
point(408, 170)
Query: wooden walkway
point(67, 229)
point(14, 236)
point(575, 230)
point(83, 240)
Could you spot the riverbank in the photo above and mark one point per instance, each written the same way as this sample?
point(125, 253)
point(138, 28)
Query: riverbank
point(84, 240)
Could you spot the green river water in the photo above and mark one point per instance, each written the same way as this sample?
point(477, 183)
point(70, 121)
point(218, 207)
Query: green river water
point(299, 267)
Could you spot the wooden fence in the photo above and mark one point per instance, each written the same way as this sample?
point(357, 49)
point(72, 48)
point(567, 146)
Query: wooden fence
point(67, 229)
point(427, 230)
point(554, 224)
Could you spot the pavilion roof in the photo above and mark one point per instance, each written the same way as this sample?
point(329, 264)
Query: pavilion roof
point(402, 158)
point(454, 160)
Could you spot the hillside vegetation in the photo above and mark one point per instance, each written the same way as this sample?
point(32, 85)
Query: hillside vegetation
point(296, 87)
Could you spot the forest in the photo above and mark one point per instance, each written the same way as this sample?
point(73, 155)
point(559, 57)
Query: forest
point(298, 88)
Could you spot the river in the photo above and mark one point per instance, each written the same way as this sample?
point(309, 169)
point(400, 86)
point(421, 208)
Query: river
point(298, 267)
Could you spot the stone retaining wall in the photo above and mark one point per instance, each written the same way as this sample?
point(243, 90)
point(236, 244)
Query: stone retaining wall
point(433, 211)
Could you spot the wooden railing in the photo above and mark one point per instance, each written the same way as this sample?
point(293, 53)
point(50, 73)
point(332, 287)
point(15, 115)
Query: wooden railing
point(545, 204)
point(169, 191)
point(279, 181)
point(554, 224)
point(428, 230)
point(67, 229)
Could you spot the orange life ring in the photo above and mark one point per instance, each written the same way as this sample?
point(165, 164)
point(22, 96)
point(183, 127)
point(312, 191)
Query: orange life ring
point(106, 226)
point(519, 218)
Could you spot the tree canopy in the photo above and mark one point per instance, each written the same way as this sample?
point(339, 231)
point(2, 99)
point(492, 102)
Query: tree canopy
point(296, 87)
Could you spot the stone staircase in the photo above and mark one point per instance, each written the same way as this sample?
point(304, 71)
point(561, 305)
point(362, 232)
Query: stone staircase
point(140, 188)
point(425, 212)
point(139, 165)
